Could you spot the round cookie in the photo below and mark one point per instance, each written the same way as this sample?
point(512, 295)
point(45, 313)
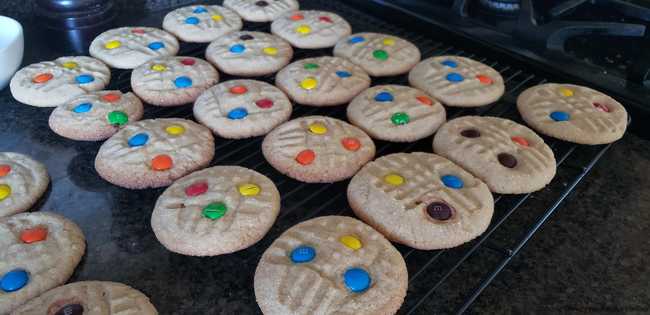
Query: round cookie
point(379, 54)
point(509, 157)
point(331, 265)
point(311, 29)
point(249, 53)
point(318, 149)
point(421, 200)
point(154, 152)
point(261, 10)
point(218, 210)
point(38, 251)
point(573, 113)
point(96, 115)
point(90, 297)
point(52, 83)
point(458, 81)
point(396, 113)
point(242, 108)
point(201, 23)
point(129, 47)
point(173, 81)
point(322, 81)
point(22, 182)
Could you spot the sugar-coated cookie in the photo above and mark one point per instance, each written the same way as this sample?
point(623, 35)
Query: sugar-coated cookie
point(201, 23)
point(154, 152)
point(96, 115)
point(218, 210)
point(458, 81)
point(311, 29)
point(318, 149)
point(379, 54)
point(509, 157)
point(52, 83)
point(38, 251)
point(331, 265)
point(22, 182)
point(129, 47)
point(261, 10)
point(396, 113)
point(242, 108)
point(90, 297)
point(249, 53)
point(573, 113)
point(173, 81)
point(322, 81)
point(421, 200)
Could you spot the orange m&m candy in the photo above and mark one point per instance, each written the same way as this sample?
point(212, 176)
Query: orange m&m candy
point(162, 162)
point(111, 97)
point(42, 78)
point(520, 141)
point(4, 170)
point(306, 157)
point(424, 100)
point(33, 235)
point(484, 79)
point(239, 89)
point(297, 17)
point(351, 144)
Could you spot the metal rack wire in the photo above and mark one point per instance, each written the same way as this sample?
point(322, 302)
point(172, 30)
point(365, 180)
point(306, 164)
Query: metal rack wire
point(429, 271)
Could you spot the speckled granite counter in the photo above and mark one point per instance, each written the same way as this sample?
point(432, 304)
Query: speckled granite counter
point(590, 257)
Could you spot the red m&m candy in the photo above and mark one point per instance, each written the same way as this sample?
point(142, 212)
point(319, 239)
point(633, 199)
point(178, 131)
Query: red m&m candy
point(4, 170)
point(196, 189)
point(33, 235)
point(306, 157)
point(188, 61)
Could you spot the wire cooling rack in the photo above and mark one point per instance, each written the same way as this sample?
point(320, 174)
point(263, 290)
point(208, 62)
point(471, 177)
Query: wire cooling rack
point(443, 281)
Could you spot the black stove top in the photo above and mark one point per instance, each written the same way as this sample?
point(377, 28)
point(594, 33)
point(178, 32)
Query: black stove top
point(601, 43)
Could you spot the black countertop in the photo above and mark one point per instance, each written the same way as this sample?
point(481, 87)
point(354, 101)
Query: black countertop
point(590, 257)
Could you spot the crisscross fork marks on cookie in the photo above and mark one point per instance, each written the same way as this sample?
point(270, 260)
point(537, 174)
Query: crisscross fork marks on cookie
point(326, 75)
point(214, 104)
point(436, 77)
point(404, 101)
point(400, 50)
point(163, 81)
point(254, 47)
point(63, 76)
point(226, 22)
point(136, 42)
point(421, 181)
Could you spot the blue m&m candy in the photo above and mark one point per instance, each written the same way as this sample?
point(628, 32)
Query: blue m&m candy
point(356, 39)
point(82, 108)
point(183, 82)
point(156, 45)
point(449, 63)
point(357, 280)
point(452, 181)
point(192, 20)
point(238, 113)
point(455, 77)
point(560, 116)
point(384, 97)
point(200, 10)
point(343, 74)
point(302, 254)
point(14, 280)
point(84, 78)
point(237, 49)
point(138, 140)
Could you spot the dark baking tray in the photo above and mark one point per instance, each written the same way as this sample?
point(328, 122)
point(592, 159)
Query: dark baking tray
point(122, 247)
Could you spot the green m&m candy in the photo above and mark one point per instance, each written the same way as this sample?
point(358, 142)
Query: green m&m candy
point(117, 118)
point(215, 210)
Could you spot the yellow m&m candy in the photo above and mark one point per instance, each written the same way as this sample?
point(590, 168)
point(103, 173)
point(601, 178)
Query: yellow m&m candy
point(303, 29)
point(175, 130)
point(5, 191)
point(309, 83)
point(317, 128)
point(271, 51)
point(70, 65)
point(389, 42)
point(158, 67)
point(566, 91)
point(113, 44)
point(249, 190)
point(351, 242)
point(217, 18)
point(394, 179)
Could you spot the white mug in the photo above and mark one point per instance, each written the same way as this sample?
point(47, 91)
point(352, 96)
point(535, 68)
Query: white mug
point(11, 48)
